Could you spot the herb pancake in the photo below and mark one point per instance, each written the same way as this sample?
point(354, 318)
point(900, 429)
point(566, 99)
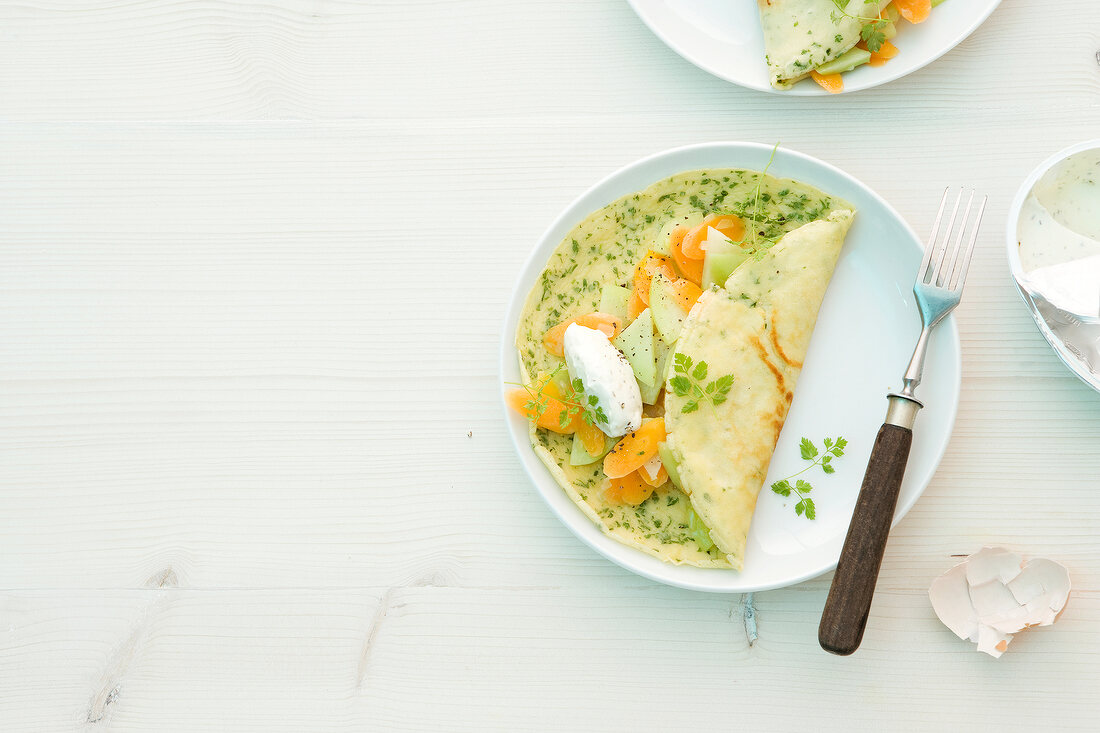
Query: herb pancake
point(604, 249)
point(801, 35)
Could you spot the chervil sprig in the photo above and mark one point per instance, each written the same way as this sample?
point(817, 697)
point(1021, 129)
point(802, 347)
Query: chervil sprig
point(593, 413)
point(800, 488)
point(574, 399)
point(754, 219)
point(805, 504)
point(873, 30)
point(690, 381)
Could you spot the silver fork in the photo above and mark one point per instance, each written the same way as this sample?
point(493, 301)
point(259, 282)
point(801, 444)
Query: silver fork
point(938, 289)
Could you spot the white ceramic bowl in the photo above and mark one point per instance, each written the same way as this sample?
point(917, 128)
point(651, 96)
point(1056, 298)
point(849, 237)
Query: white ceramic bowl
point(1067, 357)
point(863, 340)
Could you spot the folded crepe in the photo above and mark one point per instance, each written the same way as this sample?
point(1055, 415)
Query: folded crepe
point(800, 35)
point(757, 328)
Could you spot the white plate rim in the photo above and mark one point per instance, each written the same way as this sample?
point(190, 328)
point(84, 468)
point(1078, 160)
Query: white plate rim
point(801, 89)
point(567, 513)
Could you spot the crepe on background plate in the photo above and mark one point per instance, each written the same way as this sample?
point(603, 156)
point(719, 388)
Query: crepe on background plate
point(800, 35)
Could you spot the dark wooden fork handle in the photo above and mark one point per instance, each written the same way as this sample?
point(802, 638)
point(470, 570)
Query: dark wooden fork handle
point(849, 602)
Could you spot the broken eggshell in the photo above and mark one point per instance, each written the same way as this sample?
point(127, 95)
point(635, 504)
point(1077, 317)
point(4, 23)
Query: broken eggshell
point(993, 594)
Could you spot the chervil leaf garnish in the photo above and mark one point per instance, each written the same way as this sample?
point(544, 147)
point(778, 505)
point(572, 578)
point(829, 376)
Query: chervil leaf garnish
point(809, 450)
point(872, 29)
point(680, 385)
point(575, 401)
point(690, 381)
point(593, 412)
point(805, 506)
point(722, 387)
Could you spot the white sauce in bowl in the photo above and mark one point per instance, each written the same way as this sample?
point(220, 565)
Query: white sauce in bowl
point(1059, 235)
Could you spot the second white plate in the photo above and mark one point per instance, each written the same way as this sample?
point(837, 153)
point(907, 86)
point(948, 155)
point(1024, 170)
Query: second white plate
point(724, 38)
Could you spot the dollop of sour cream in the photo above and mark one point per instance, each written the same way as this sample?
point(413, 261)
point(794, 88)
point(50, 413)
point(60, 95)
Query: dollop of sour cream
point(1059, 235)
point(606, 375)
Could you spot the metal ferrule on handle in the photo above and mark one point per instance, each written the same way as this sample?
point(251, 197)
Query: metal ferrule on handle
point(902, 411)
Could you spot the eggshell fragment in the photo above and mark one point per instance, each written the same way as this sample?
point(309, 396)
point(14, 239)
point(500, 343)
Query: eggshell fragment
point(950, 596)
point(993, 594)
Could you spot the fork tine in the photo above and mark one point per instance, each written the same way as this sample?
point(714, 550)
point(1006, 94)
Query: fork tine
point(968, 255)
point(928, 250)
point(933, 276)
point(951, 264)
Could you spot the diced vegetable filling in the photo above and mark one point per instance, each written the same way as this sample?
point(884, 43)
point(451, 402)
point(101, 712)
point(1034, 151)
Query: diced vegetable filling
point(875, 47)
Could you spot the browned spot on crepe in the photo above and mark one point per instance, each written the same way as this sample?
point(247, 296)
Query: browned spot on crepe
point(773, 333)
point(781, 407)
point(764, 357)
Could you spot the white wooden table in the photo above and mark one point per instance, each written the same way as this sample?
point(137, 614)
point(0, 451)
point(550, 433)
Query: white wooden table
point(254, 257)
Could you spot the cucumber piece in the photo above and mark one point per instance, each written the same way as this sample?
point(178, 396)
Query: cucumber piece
point(889, 30)
point(667, 314)
point(723, 256)
point(561, 380)
point(846, 61)
point(669, 462)
point(662, 352)
point(719, 243)
point(636, 343)
point(614, 299)
point(660, 243)
point(578, 456)
point(891, 13)
point(699, 531)
point(650, 392)
point(664, 355)
point(718, 267)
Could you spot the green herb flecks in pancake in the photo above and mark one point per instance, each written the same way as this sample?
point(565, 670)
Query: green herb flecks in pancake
point(801, 35)
point(604, 249)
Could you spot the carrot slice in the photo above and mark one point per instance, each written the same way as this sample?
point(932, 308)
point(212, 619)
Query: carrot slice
point(524, 403)
point(690, 268)
point(728, 224)
point(832, 83)
point(630, 489)
point(651, 264)
point(635, 305)
point(634, 449)
point(655, 481)
point(686, 293)
point(610, 325)
point(886, 52)
point(591, 437)
point(914, 11)
point(731, 226)
point(547, 386)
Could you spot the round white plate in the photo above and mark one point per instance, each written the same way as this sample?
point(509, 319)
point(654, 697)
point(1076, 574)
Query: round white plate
point(864, 337)
point(724, 38)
